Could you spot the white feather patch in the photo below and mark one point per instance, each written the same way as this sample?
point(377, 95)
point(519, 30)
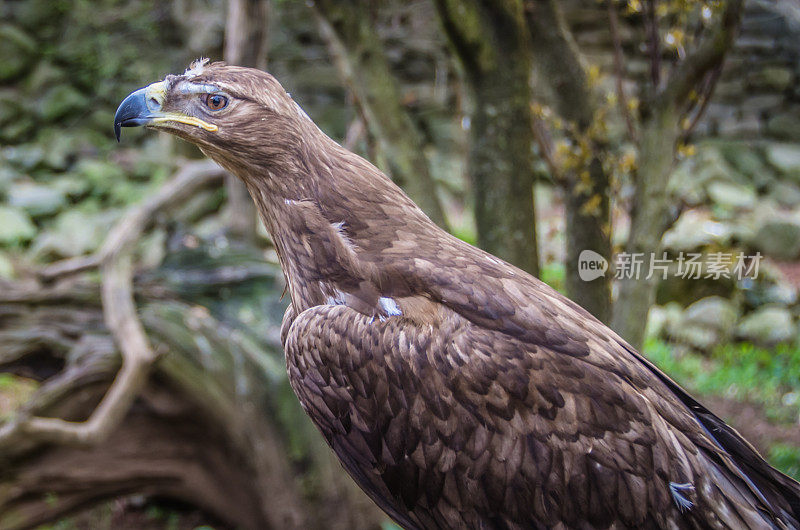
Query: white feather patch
point(196, 68)
point(389, 306)
point(677, 491)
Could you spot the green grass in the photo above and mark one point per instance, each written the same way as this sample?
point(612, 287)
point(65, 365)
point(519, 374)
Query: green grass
point(786, 458)
point(553, 274)
point(770, 377)
point(743, 372)
point(466, 234)
point(7, 381)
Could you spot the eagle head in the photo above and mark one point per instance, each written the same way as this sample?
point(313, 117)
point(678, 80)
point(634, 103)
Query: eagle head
point(235, 115)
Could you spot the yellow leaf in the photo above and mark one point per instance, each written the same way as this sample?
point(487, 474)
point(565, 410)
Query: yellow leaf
point(634, 6)
point(594, 74)
point(686, 150)
point(592, 206)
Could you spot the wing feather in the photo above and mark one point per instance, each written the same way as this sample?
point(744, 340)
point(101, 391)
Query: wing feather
point(449, 422)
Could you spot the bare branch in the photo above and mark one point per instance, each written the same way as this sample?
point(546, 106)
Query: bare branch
point(557, 54)
point(189, 179)
point(246, 33)
point(120, 315)
point(119, 311)
point(709, 54)
point(246, 44)
point(65, 267)
point(355, 131)
point(343, 64)
point(360, 59)
point(546, 148)
point(346, 69)
point(619, 72)
point(33, 293)
point(467, 48)
point(653, 43)
point(705, 98)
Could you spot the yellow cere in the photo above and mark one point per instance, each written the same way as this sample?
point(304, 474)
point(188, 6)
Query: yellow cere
point(157, 92)
point(181, 118)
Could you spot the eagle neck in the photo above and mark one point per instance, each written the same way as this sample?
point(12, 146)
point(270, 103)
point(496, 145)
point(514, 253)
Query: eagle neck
point(317, 260)
point(331, 214)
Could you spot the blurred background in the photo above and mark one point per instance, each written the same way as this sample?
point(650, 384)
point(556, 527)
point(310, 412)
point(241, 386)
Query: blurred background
point(536, 129)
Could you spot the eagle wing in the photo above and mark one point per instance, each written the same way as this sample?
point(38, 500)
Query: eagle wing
point(447, 423)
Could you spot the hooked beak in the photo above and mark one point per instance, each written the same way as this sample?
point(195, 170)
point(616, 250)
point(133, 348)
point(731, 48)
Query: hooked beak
point(144, 107)
point(139, 108)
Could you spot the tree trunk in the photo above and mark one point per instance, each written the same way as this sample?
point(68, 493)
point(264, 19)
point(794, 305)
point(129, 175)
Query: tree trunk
point(491, 44)
point(247, 33)
point(588, 221)
point(246, 44)
point(586, 187)
point(500, 162)
point(660, 132)
point(650, 218)
point(360, 58)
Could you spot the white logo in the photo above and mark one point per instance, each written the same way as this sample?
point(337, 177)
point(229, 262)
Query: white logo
point(591, 265)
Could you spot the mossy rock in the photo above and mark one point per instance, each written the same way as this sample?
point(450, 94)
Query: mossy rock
point(36, 199)
point(749, 162)
point(772, 78)
point(6, 267)
point(696, 230)
point(18, 131)
point(785, 158)
point(713, 312)
point(785, 193)
point(18, 51)
point(767, 326)
point(7, 177)
point(784, 126)
point(61, 101)
point(11, 107)
point(731, 195)
point(23, 157)
point(74, 233)
point(15, 226)
point(43, 77)
point(778, 239)
point(686, 291)
point(59, 148)
point(101, 175)
point(16, 121)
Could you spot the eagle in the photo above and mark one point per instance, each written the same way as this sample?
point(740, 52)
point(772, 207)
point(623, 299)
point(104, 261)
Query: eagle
point(457, 390)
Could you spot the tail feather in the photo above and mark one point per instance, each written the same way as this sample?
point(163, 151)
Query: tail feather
point(779, 493)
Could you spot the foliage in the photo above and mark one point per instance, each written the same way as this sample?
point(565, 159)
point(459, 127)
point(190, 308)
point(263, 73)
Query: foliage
point(14, 391)
point(786, 458)
point(743, 372)
point(553, 274)
point(737, 371)
point(62, 178)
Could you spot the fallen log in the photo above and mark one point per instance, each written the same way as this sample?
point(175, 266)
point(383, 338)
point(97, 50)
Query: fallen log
point(149, 384)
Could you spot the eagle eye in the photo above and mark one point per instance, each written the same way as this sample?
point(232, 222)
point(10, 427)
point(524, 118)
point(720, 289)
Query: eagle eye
point(215, 101)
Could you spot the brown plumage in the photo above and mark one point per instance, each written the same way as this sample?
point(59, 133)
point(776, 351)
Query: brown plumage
point(457, 390)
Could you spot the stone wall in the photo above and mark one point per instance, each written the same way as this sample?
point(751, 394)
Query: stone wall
point(757, 96)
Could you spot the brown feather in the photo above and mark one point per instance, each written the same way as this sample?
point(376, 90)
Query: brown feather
point(457, 390)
